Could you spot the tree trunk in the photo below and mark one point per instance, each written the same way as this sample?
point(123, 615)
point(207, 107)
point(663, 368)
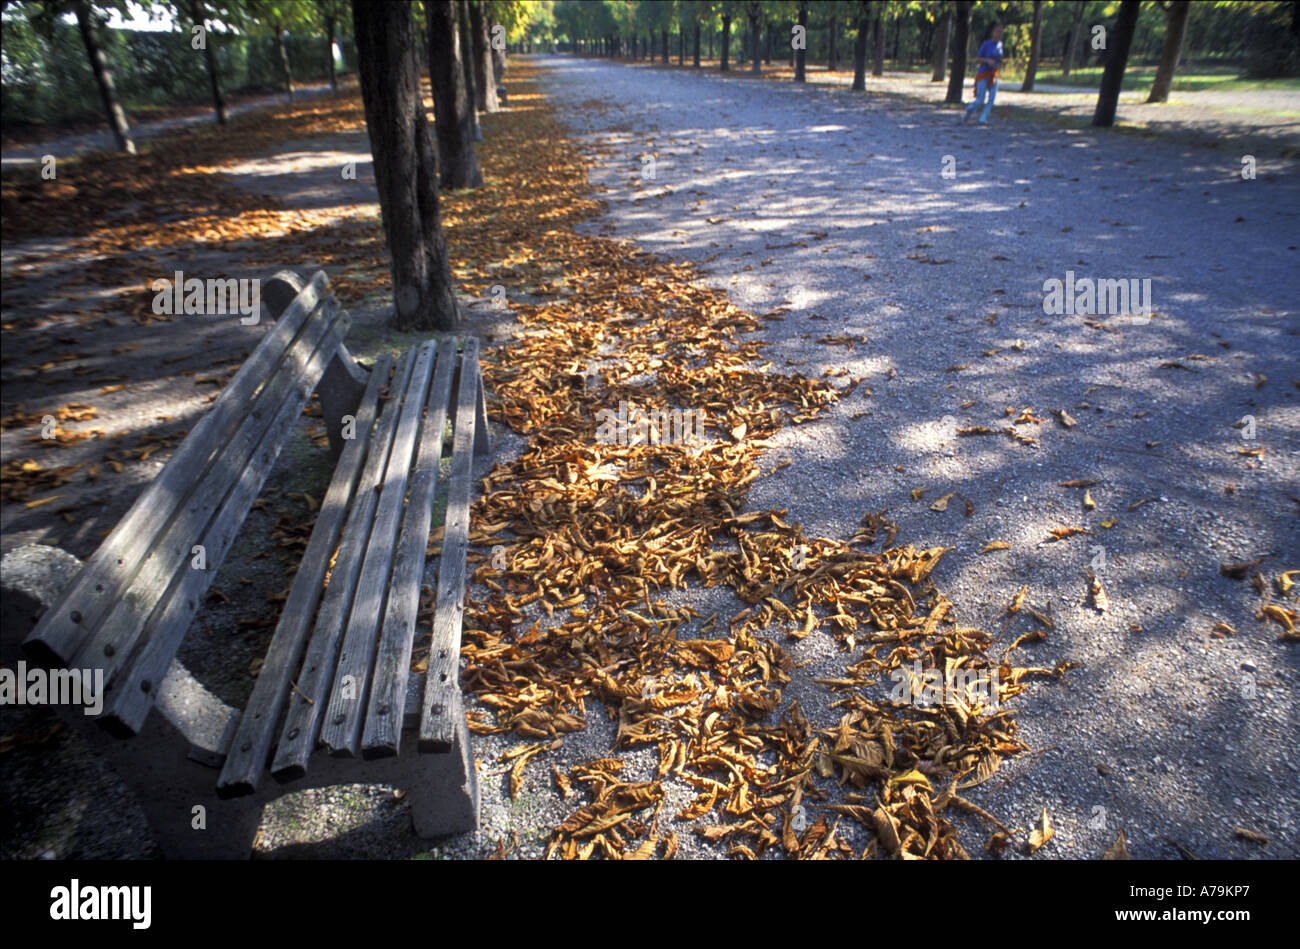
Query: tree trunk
point(878, 63)
point(210, 58)
point(801, 55)
point(457, 160)
point(282, 54)
point(329, 52)
point(1072, 47)
point(485, 84)
point(726, 41)
point(756, 38)
point(961, 38)
point(405, 170)
point(681, 44)
point(711, 43)
point(1119, 41)
point(1035, 45)
point(1175, 31)
point(771, 33)
point(467, 65)
point(104, 79)
point(943, 34)
point(665, 50)
point(832, 53)
point(860, 55)
point(498, 56)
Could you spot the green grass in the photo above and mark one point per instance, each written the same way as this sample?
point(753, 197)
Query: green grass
point(1139, 79)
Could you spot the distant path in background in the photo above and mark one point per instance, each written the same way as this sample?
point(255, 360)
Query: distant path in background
point(65, 146)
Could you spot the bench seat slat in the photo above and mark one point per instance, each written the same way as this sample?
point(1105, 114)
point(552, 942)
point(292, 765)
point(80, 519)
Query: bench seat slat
point(114, 640)
point(440, 716)
point(384, 709)
point(130, 700)
point(302, 720)
point(341, 730)
point(251, 745)
point(57, 637)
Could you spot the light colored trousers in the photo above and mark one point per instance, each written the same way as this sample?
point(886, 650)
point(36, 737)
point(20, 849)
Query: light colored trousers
point(982, 87)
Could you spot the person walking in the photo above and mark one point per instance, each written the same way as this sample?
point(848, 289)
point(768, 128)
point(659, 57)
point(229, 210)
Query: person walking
point(987, 61)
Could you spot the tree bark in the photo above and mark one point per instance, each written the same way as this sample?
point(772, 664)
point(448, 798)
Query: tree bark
point(666, 45)
point(860, 54)
point(1072, 47)
point(878, 63)
point(210, 58)
point(756, 38)
point(1035, 45)
point(726, 42)
point(498, 56)
point(404, 166)
point(485, 85)
point(104, 79)
point(467, 65)
point(697, 45)
point(681, 43)
point(801, 55)
point(1119, 41)
point(457, 160)
point(961, 38)
point(943, 34)
point(832, 53)
point(1175, 31)
point(282, 54)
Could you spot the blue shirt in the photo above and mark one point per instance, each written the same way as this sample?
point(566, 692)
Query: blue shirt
point(989, 49)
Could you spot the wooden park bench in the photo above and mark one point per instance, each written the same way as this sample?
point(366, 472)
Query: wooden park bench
point(337, 676)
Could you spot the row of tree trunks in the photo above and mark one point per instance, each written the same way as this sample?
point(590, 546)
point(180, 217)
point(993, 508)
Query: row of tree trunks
point(457, 160)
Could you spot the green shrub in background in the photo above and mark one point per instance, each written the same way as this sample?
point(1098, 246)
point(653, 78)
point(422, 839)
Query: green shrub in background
point(48, 81)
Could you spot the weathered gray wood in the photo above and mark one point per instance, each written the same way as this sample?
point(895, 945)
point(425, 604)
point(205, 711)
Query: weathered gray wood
point(111, 643)
point(340, 392)
point(250, 749)
point(131, 695)
point(64, 628)
point(442, 709)
point(482, 441)
point(302, 721)
point(384, 710)
point(341, 730)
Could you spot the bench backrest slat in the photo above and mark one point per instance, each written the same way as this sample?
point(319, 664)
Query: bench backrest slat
point(65, 627)
point(442, 707)
point(386, 705)
point(342, 728)
point(112, 642)
point(130, 700)
point(302, 720)
point(251, 745)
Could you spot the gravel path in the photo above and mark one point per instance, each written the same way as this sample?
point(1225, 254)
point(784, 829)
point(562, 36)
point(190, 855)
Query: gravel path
point(815, 199)
point(1261, 121)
